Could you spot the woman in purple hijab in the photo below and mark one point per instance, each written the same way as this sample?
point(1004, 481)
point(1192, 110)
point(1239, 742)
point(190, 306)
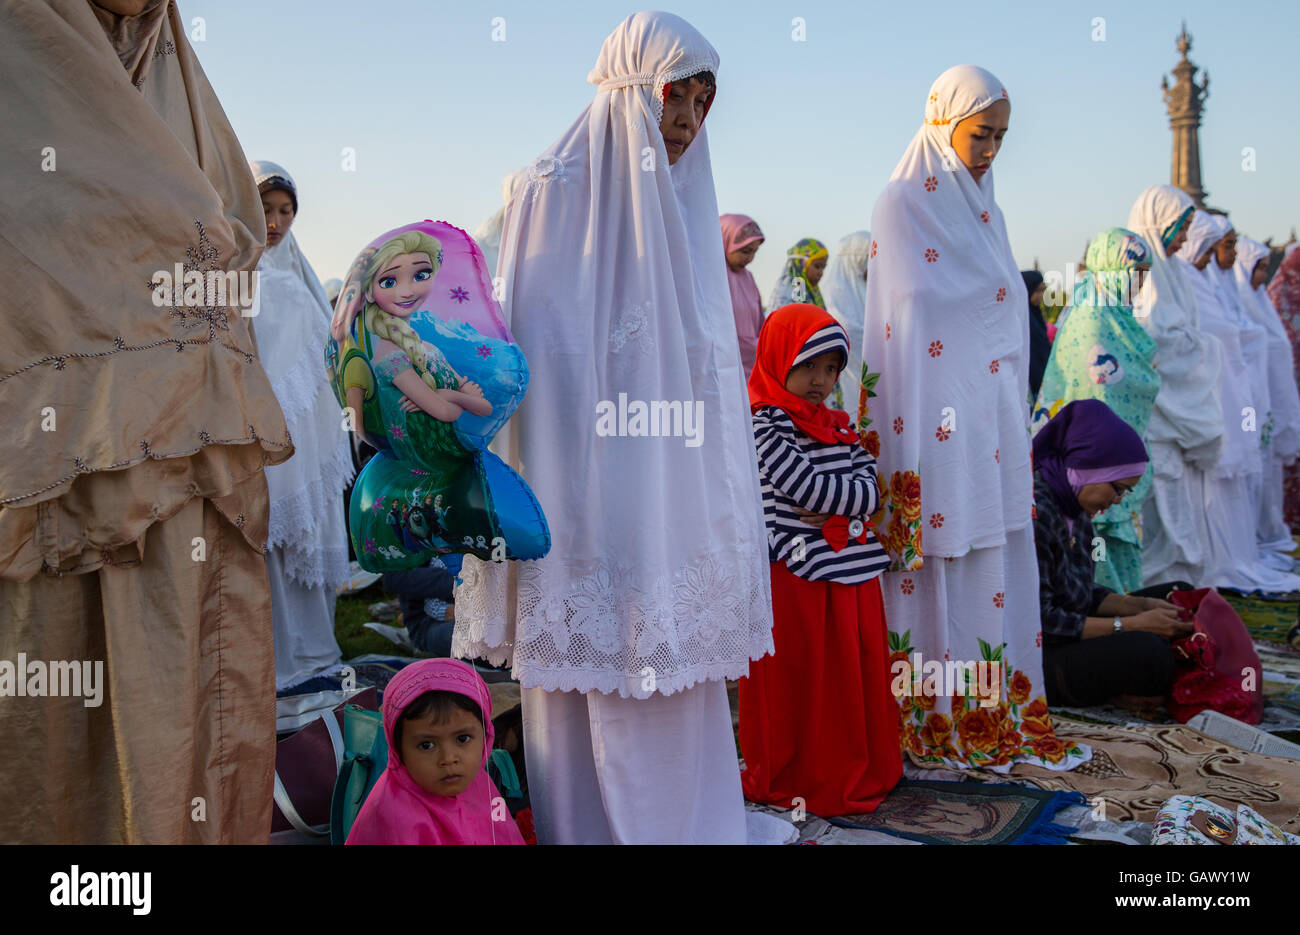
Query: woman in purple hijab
point(1098, 646)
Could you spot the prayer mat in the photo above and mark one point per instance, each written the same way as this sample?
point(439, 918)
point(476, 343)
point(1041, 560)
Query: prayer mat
point(1281, 711)
point(967, 813)
point(1281, 666)
point(1136, 768)
point(1267, 621)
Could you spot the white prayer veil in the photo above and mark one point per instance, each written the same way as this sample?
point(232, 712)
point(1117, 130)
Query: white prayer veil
point(946, 328)
point(1238, 452)
point(292, 326)
point(616, 290)
point(845, 290)
point(1188, 412)
point(488, 235)
point(1253, 378)
point(1284, 399)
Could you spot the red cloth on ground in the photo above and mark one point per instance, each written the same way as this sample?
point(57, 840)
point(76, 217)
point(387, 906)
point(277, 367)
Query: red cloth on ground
point(817, 720)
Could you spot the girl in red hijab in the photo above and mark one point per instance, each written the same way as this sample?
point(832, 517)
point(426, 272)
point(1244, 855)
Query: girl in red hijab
point(817, 720)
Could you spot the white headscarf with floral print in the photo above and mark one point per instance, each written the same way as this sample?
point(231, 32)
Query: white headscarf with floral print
point(946, 329)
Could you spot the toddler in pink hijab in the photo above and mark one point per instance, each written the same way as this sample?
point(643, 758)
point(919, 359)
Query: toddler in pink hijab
point(436, 790)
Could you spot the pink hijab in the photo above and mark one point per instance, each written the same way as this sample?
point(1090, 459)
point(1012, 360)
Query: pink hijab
point(739, 230)
point(397, 810)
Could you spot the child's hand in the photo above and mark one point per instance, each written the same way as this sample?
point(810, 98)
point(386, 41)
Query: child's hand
point(470, 388)
point(811, 518)
point(407, 405)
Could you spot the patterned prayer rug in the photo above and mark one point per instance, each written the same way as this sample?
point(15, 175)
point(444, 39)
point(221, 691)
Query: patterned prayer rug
point(967, 813)
point(1134, 769)
point(1267, 621)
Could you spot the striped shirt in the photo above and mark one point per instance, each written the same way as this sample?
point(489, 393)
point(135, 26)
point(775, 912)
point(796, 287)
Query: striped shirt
point(795, 472)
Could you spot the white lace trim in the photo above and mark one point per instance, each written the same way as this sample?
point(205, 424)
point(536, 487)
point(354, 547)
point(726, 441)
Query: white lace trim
point(299, 519)
point(322, 567)
point(600, 631)
point(298, 387)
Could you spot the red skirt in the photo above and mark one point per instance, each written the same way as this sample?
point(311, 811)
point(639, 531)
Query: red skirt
point(817, 719)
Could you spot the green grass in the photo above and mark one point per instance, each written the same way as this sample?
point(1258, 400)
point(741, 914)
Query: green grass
point(350, 613)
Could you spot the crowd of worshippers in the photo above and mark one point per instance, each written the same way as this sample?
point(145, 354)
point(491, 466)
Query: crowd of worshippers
point(905, 462)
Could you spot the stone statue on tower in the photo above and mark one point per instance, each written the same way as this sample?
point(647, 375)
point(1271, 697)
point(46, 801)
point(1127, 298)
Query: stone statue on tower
point(1185, 101)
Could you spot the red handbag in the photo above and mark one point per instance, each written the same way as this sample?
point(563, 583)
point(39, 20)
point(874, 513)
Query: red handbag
point(1215, 661)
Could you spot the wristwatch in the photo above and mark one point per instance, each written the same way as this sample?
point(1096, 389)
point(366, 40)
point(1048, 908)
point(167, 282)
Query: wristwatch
point(1119, 625)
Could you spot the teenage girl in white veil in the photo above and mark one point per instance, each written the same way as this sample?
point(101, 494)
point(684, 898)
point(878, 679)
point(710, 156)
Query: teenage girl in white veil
point(307, 550)
point(947, 332)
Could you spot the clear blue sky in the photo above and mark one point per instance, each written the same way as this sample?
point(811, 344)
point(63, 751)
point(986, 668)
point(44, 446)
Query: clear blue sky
point(803, 135)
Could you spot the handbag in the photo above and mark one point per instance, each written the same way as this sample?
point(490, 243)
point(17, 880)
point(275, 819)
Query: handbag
point(365, 757)
point(306, 764)
point(1215, 661)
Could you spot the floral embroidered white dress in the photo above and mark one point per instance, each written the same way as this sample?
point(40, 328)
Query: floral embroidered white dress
point(946, 331)
point(656, 588)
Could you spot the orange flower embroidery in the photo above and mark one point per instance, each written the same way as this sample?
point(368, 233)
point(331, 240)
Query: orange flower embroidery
point(911, 742)
point(1052, 749)
point(1002, 294)
point(931, 255)
point(931, 183)
point(997, 455)
point(1035, 719)
point(898, 425)
point(936, 520)
point(1000, 599)
point(984, 216)
point(936, 348)
point(905, 489)
point(888, 331)
point(937, 729)
point(934, 98)
point(994, 366)
point(906, 586)
point(873, 249)
point(976, 731)
point(942, 433)
point(1020, 687)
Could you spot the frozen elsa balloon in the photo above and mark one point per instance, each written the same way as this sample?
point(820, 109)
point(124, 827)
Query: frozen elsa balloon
point(429, 373)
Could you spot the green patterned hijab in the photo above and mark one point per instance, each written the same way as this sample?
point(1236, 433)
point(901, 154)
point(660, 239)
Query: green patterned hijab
point(793, 286)
point(1102, 352)
point(1112, 258)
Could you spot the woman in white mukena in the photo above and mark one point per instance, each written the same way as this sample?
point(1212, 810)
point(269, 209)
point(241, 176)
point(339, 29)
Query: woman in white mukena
point(1185, 434)
point(1233, 559)
point(946, 331)
point(655, 590)
point(307, 546)
point(1250, 273)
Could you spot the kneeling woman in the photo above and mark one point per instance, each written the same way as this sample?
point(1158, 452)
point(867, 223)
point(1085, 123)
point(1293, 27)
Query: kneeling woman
point(1098, 645)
